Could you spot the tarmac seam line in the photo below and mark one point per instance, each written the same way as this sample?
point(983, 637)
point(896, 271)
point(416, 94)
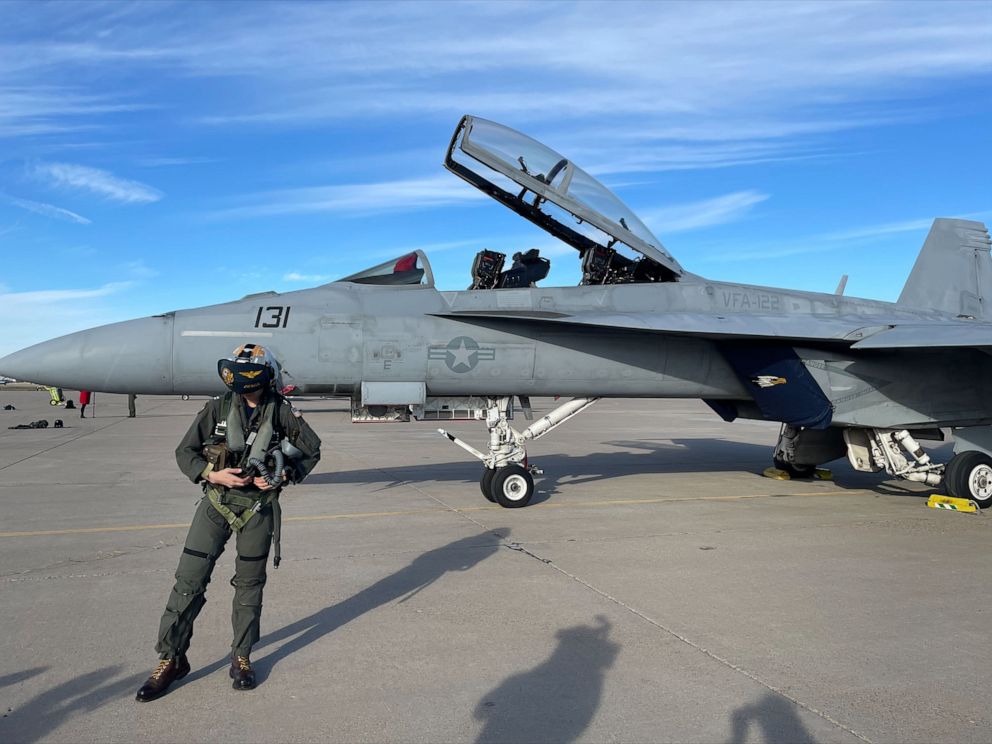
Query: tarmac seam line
point(692, 644)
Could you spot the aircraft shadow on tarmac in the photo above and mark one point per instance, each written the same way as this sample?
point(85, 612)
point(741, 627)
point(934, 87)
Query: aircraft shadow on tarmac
point(48, 710)
point(460, 555)
point(556, 700)
point(777, 719)
point(700, 455)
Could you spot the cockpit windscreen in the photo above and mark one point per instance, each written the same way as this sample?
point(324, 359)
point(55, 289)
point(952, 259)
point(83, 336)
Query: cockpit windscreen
point(551, 191)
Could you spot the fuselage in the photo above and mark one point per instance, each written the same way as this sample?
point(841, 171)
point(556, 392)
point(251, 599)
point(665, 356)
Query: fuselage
point(330, 339)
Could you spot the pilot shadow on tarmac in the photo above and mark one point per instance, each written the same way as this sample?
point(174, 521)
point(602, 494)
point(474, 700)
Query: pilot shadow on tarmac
point(556, 700)
point(775, 717)
point(460, 555)
point(48, 710)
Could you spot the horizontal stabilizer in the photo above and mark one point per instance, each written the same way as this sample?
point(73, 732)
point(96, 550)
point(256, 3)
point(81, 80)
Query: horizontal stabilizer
point(953, 273)
point(931, 336)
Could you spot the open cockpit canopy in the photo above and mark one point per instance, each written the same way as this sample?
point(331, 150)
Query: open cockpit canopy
point(549, 190)
point(410, 269)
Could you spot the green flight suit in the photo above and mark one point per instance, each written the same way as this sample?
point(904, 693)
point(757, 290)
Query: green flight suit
point(210, 531)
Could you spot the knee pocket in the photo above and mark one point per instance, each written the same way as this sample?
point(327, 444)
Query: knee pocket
point(187, 586)
point(248, 590)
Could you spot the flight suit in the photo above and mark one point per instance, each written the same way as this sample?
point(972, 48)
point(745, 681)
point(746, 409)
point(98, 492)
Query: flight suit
point(210, 530)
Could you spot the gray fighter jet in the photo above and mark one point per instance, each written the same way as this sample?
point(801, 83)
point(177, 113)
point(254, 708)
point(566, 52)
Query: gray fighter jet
point(843, 375)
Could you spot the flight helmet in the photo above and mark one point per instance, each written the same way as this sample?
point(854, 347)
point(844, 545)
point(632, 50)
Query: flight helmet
point(251, 367)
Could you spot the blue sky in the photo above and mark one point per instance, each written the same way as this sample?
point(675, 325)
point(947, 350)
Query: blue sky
point(155, 156)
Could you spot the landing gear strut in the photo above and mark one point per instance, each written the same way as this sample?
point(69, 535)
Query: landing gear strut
point(508, 479)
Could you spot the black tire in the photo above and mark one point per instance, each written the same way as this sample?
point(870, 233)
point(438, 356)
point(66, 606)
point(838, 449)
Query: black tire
point(795, 471)
point(53, 402)
point(969, 476)
point(486, 483)
point(512, 487)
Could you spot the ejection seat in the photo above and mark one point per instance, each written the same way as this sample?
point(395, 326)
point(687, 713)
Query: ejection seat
point(527, 270)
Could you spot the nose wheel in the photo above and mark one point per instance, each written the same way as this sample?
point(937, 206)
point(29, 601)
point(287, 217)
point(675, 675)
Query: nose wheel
point(511, 486)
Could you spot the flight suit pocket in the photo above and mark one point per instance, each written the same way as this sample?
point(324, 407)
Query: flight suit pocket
point(248, 592)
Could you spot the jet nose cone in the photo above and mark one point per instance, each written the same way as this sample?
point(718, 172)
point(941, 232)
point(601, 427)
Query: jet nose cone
point(130, 357)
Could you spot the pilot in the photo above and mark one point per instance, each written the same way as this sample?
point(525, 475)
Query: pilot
point(234, 443)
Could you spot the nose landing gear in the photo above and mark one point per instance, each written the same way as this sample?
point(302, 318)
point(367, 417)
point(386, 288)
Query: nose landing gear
point(508, 479)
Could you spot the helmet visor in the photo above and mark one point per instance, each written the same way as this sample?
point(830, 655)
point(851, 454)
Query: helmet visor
point(244, 377)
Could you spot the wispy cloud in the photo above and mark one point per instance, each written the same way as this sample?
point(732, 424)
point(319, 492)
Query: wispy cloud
point(36, 108)
point(357, 199)
point(699, 214)
point(295, 276)
point(166, 162)
point(42, 314)
point(829, 241)
point(140, 270)
point(699, 73)
point(46, 296)
point(46, 210)
point(96, 181)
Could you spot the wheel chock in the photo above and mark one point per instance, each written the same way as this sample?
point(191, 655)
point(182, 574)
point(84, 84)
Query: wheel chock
point(936, 501)
point(776, 474)
point(823, 474)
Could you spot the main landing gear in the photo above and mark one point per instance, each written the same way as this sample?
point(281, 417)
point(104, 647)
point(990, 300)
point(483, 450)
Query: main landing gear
point(507, 478)
point(897, 452)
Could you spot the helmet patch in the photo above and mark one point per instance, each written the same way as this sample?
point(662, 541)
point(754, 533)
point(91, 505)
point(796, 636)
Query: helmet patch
point(249, 368)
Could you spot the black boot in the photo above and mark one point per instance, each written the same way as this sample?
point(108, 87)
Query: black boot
point(167, 672)
point(242, 674)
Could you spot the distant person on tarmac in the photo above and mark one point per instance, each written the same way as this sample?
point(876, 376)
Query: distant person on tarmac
point(85, 396)
point(130, 405)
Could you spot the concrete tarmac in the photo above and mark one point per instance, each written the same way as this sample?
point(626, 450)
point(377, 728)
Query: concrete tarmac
point(659, 590)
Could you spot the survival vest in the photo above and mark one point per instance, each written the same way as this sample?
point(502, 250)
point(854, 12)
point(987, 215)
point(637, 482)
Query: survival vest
point(231, 447)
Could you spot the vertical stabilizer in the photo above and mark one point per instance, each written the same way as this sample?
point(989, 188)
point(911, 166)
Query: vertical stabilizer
point(953, 272)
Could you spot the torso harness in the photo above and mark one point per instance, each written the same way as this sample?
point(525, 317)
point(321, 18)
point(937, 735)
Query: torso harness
point(230, 447)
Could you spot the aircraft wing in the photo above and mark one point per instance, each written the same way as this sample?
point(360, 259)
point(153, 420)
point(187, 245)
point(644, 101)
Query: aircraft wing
point(839, 329)
point(847, 330)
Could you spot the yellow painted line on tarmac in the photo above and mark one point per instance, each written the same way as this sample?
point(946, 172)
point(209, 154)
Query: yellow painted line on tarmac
point(361, 515)
point(663, 499)
point(411, 512)
point(184, 525)
point(90, 530)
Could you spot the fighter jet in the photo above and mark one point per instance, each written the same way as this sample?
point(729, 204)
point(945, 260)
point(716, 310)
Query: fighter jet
point(842, 375)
